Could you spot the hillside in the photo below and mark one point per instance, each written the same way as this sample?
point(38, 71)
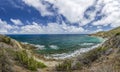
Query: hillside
point(106, 34)
point(105, 58)
point(17, 57)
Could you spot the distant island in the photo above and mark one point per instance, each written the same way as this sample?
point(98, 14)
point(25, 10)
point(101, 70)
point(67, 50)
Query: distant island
point(16, 56)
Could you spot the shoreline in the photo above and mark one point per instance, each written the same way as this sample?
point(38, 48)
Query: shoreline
point(69, 55)
point(54, 62)
point(76, 53)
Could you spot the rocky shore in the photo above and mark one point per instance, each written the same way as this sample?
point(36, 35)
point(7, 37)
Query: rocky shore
point(16, 57)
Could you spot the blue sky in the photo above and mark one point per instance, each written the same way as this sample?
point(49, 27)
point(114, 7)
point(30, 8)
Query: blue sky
point(58, 16)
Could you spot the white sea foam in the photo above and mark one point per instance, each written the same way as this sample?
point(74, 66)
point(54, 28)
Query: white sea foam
point(39, 47)
point(72, 54)
point(83, 44)
point(25, 43)
point(54, 47)
point(67, 55)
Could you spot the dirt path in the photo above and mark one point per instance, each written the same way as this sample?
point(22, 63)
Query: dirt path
point(50, 64)
point(20, 47)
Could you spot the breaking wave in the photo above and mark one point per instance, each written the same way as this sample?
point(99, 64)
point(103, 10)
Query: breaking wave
point(54, 47)
point(39, 47)
point(71, 54)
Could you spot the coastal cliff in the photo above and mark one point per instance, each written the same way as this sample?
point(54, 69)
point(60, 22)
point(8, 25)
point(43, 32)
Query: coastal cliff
point(105, 58)
point(106, 34)
point(18, 57)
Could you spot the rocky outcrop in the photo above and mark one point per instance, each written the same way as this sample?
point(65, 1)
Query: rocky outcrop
point(17, 57)
point(113, 42)
point(105, 58)
point(107, 34)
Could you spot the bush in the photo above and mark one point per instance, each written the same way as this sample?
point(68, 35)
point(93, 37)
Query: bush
point(65, 66)
point(28, 62)
point(5, 62)
point(92, 55)
point(117, 34)
point(5, 39)
point(84, 60)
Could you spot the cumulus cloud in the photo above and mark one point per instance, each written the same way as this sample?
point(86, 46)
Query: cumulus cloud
point(111, 10)
point(4, 27)
point(16, 21)
point(36, 28)
point(31, 29)
point(73, 10)
point(72, 29)
point(38, 5)
point(80, 12)
point(98, 30)
point(51, 28)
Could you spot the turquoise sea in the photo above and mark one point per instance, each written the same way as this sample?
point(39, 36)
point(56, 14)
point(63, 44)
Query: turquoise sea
point(60, 45)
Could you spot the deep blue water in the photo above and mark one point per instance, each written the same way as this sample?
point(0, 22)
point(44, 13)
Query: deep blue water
point(57, 44)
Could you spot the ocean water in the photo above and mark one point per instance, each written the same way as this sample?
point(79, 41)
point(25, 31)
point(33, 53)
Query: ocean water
point(60, 45)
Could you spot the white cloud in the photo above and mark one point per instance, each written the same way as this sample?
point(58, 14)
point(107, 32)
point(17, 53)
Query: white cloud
point(51, 28)
point(16, 21)
point(72, 29)
point(112, 12)
point(35, 28)
point(98, 30)
point(99, 27)
point(4, 27)
point(73, 10)
point(37, 4)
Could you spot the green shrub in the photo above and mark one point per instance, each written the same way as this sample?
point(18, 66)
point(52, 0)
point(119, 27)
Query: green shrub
point(28, 62)
point(117, 33)
point(65, 66)
point(5, 62)
point(92, 55)
point(5, 39)
point(78, 65)
point(84, 60)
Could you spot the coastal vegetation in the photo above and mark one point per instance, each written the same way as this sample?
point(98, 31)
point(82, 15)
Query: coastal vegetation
point(15, 56)
point(105, 58)
point(106, 34)
point(11, 56)
point(28, 62)
point(5, 39)
point(82, 61)
point(5, 62)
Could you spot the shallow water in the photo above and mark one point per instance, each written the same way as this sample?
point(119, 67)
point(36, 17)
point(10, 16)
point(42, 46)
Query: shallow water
point(61, 44)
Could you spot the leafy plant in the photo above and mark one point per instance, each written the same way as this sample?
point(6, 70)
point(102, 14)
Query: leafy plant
point(28, 62)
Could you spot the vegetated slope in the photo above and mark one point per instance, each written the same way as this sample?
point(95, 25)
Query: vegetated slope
point(106, 34)
point(17, 57)
point(105, 58)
